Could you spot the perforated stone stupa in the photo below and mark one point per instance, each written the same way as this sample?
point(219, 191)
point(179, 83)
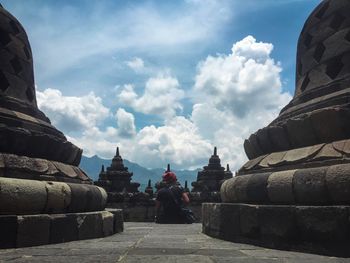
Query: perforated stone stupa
point(294, 190)
point(44, 196)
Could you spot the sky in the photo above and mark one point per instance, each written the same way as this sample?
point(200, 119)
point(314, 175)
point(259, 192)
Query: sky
point(164, 80)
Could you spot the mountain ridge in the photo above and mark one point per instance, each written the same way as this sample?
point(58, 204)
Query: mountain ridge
point(92, 166)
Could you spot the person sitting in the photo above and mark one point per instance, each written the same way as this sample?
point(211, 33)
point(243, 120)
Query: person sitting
point(170, 201)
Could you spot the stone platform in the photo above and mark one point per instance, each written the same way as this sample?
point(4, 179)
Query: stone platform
point(148, 242)
point(41, 229)
point(316, 229)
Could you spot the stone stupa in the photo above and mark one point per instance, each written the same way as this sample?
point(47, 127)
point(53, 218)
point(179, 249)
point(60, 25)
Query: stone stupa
point(44, 196)
point(209, 180)
point(294, 192)
point(117, 178)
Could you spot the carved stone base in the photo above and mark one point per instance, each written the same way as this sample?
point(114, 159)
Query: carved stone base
point(34, 230)
point(316, 229)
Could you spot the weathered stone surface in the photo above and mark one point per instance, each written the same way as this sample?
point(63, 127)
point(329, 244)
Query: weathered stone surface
point(310, 186)
point(215, 218)
point(227, 192)
point(327, 152)
point(58, 197)
point(339, 145)
point(279, 138)
point(8, 230)
point(85, 198)
point(66, 170)
point(327, 125)
point(240, 187)
point(89, 225)
point(33, 230)
point(264, 140)
point(252, 163)
point(323, 224)
point(249, 150)
point(277, 223)
point(107, 223)
point(300, 132)
point(22, 196)
point(63, 228)
point(301, 154)
point(256, 188)
point(118, 220)
point(249, 221)
point(338, 183)
point(280, 187)
point(253, 140)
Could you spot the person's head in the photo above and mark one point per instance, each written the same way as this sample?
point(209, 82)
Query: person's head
point(169, 177)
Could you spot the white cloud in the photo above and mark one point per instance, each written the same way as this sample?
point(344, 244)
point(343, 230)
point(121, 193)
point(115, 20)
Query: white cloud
point(126, 123)
point(136, 64)
point(245, 81)
point(177, 142)
point(71, 113)
point(235, 95)
point(162, 96)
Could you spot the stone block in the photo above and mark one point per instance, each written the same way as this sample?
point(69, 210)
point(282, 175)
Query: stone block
point(221, 220)
point(310, 186)
point(227, 192)
point(251, 164)
point(85, 198)
point(65, 169)
point(256, 188)
point(63, 228)
point(58, 197)
point(107, 223)
point(8, 230)
point(338, 183)
point(118, 219)
point(253, 140)
point(327, 125)
point(301, 154)
point(279, 138)
point(89, 225)
point(300, 132)
point(323, 223)
point(273, 159)
point(33, 230)
point(277, 223)
point(240, 187)
point(249, 221)
point(22, 196)
point(327, 152)
point(264, 140)
point(280, 187)
point(249, 150)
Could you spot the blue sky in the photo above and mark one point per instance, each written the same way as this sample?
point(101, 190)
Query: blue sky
point(165, 80)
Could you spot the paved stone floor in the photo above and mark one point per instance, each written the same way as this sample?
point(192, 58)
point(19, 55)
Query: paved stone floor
point(148, 242)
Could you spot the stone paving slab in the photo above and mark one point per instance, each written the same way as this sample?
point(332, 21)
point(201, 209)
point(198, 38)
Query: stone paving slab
point(149, 242)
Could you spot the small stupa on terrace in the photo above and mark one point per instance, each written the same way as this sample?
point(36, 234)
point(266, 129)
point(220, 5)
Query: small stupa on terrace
point(212, 176)
point(117, 178)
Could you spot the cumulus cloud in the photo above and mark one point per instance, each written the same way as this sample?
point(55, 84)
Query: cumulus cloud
point(162, 96)
point(245, 81)
point(71, 113)
point(234, 95)
point(177, 142)
point(126, 123)
point(136, 64)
